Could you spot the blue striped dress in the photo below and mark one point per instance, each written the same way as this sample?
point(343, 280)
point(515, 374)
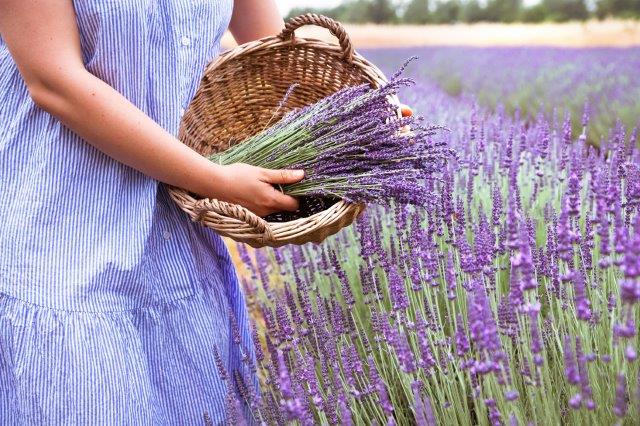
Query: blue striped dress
point(111, 300)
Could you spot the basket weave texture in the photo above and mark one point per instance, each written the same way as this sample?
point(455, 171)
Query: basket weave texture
point(238, 95)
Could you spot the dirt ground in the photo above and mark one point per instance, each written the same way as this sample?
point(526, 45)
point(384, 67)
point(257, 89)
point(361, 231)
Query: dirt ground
point(615, 33)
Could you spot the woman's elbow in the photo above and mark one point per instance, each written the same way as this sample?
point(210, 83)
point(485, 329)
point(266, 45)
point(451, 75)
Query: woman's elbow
point(53, 92)
point(41, 96)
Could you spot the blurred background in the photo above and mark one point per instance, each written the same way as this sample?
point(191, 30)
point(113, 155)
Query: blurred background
point(470, 11)
point(389, 23)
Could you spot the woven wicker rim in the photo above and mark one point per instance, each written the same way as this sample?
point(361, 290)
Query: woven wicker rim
point(239, 223)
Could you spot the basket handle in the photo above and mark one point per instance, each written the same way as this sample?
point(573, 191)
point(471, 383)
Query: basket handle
point(333, 26)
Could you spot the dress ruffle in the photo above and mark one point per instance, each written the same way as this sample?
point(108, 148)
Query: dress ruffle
point(153, 365)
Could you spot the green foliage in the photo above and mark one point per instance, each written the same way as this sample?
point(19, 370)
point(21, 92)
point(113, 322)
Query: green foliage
point(470, 11)
point(447, 12)
point(619, 8)
point(502, 10)
point(533, 14)
point(417, 12)
point(381, 11)
point(356, 11)
point(565, 10)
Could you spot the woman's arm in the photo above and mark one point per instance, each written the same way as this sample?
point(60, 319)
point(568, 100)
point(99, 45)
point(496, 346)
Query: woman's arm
point(42, 36)
point(254, 19)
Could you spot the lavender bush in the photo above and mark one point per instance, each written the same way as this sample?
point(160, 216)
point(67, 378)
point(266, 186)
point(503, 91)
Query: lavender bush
point(508, 296)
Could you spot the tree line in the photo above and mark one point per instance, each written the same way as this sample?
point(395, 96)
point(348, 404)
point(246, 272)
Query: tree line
point(449, 11)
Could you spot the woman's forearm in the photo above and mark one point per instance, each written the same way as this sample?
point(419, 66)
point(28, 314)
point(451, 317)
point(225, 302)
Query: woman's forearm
point(43, 39)
point(108, 121)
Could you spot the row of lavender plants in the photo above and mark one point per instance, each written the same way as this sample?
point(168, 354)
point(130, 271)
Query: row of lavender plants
point(509, 297)
point(534, 78)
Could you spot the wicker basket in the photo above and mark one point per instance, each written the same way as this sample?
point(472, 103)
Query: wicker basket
point(237, 97)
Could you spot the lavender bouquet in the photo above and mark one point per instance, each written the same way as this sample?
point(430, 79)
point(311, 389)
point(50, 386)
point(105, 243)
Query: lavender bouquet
point(350, 145)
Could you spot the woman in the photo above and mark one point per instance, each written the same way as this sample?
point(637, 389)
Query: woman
point(112, 302)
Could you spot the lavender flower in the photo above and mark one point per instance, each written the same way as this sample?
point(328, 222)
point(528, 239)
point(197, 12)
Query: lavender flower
point(397, 290)
point(570, 365)
point(380, 387)
point(620, 408)
point(350, 147)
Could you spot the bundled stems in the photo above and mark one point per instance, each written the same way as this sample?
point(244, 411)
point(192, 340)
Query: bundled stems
point(351, 146)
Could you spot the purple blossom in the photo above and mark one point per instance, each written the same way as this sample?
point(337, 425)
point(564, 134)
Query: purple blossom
point(620, 408)
point(533, 310)
point(427, 360)
point(284, 322)
point(462, 342)
point(450, 277)
point(494, 414)
point(630, 285)
point(397, 290)
point(380, 387)
point(585, 386)
point(291, 401)
point(345, 413)
point(511, 395)
point(575, 402)
point(583, 306)
point(570, 365)
point(630, 353)
point(222, 371)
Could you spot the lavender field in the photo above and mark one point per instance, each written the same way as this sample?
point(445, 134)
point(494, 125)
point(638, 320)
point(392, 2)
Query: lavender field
point(510, 296)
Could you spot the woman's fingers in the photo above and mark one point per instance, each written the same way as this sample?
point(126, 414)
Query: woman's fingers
point(280, 201)
point(284, 202)
point(283, 176)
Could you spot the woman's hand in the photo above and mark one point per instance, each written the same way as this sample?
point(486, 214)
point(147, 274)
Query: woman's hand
point(252, 187)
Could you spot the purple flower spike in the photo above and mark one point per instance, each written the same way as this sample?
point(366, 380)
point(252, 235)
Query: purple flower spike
point(511, 395)
point(380, 388)
point(462, 342)
point(345, 413)
point(428, 411)
point(494, 413)
point(630, 353)
point(575, 402)
point(219, 364)
point(583, 306)
point(397, 290)
point(427, 360)
point(630, 286)
point(292, 402)
point(570, 365)
point(620, 408)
